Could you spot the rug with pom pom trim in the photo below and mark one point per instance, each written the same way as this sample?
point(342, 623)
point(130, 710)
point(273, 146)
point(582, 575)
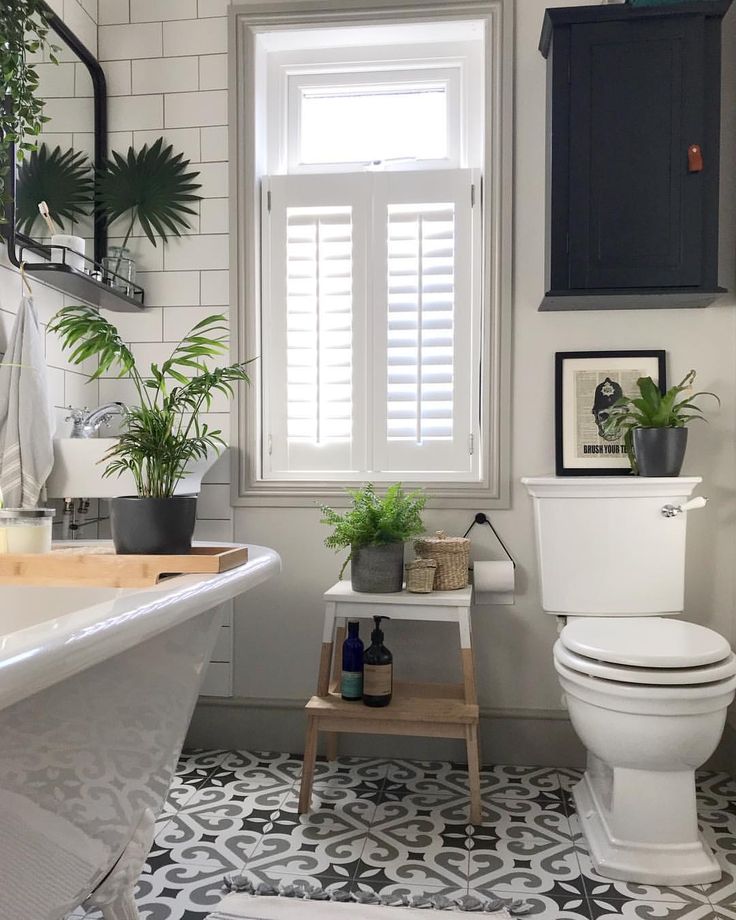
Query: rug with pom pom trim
point(253, 907)
point(302, 901)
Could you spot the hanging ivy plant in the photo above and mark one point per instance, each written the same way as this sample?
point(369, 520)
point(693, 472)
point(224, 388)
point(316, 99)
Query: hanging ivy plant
point(23, 34)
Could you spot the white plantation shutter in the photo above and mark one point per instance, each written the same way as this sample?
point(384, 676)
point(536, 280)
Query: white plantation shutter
point(421, 304)
point(370, 326)
point(424, 227)
point(313, 314)
point(319, 310)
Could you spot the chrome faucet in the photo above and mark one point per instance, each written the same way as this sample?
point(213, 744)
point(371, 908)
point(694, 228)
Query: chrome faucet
point(86, 424)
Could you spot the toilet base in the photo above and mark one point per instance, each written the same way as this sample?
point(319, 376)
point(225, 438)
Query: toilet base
point(678, 862)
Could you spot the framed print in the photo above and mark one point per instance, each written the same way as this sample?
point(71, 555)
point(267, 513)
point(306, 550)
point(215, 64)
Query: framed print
point(587, 384)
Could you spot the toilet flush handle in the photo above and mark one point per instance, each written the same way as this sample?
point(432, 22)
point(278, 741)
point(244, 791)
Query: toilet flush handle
point(670, 511)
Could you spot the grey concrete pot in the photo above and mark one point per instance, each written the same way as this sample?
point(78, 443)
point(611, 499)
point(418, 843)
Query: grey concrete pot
point(660, 451)
point(377, 569)
point(155, 526)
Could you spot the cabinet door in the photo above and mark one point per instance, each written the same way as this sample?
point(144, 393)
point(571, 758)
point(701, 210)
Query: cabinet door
point(636, 103)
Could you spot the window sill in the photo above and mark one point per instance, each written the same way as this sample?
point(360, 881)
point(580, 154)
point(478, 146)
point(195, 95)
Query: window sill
point(270, 494)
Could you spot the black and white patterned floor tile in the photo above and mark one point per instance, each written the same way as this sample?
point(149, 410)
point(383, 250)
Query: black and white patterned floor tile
point(401, 827)
point(193, 769)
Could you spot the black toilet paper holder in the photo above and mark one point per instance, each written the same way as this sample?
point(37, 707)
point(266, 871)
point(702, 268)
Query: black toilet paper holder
point(481, 518)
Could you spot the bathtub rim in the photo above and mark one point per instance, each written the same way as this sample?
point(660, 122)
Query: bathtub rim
point(37, 657)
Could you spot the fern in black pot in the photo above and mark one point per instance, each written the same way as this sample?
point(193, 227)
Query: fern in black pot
point(164, 433)
point(654, 425)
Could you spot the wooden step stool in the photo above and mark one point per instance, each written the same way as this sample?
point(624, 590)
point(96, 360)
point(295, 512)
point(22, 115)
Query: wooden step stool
point(426, 710)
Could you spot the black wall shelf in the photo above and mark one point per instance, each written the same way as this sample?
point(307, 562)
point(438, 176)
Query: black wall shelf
point(82, 286)
point(85, 286)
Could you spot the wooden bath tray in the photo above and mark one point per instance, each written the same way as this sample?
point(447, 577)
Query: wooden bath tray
point(99, 566)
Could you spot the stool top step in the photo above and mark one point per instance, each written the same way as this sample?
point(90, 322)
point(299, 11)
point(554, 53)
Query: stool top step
point(342, 592)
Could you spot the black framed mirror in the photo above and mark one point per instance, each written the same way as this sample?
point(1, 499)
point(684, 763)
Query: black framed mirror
point(73, 144)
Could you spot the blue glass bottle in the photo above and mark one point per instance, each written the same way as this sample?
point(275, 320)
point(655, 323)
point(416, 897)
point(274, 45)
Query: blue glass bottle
point(351, 685)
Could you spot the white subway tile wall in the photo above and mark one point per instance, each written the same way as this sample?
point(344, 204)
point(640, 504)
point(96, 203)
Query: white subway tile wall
point(176, 54)
point(67, 383)
point(125, 42)
point(112, 12)
point(165, 63)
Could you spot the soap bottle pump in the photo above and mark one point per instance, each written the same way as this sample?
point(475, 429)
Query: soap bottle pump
point(351, 683)
point(378, 667)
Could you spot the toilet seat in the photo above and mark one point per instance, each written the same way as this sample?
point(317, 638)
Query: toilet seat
point(704, 674)
point(645, 642)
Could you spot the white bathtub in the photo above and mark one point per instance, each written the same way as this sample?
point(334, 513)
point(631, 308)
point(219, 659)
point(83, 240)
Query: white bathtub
point(97, 688)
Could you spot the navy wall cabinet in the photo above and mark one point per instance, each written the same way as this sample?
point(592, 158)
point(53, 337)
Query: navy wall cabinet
point(633, 114)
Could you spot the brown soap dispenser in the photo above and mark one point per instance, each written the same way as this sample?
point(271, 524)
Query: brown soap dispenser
point(378, 670)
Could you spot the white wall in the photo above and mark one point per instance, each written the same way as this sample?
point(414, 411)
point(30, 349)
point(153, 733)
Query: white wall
point(277, 636)
point(166, 67)
point(277, 633)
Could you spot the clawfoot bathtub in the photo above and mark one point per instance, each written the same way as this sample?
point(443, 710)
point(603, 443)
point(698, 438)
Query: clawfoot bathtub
point(97, 688)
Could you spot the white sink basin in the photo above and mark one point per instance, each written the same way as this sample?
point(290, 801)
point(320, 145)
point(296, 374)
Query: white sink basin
point(79, 465)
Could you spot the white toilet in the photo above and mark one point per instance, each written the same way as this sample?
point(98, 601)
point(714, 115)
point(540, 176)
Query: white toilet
point(647, 694)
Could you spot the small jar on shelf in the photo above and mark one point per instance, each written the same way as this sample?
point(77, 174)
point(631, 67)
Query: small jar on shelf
point(119, 270)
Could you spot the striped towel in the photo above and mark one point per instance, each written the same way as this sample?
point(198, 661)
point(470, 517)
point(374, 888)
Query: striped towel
point(26, 420)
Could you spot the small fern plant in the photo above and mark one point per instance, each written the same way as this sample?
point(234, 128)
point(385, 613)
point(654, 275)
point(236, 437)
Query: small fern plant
point(375, 521)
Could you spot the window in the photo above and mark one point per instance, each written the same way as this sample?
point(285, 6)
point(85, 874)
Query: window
point(379, 122)
point(372, 305)
point(369, 313)
point(390, 116)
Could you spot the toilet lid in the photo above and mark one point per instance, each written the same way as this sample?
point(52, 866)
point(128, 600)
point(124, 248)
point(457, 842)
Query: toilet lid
point(645, 642)
point(624, 673)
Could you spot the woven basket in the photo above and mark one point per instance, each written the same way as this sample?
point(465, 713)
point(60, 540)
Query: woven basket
point(420, 575)
point(452, 555)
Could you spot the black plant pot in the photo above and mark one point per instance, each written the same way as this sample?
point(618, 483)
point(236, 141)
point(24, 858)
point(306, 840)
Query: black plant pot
point(377, 569)
point(153, 526)
point(660, 451)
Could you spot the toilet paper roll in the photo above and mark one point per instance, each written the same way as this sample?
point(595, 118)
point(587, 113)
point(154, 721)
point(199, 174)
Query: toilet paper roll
point(493, 582)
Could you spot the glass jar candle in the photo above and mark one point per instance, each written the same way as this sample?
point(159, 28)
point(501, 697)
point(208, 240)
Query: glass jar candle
point(25, 530)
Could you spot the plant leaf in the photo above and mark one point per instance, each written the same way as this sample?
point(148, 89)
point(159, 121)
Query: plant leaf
point(152, 185)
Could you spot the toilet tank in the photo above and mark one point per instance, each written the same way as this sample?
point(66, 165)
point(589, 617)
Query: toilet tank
point(604, 547)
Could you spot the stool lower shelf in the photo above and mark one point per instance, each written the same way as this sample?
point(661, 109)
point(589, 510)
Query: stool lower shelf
point(428, 710)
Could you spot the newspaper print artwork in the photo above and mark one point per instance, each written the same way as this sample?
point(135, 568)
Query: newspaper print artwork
point(588, 385)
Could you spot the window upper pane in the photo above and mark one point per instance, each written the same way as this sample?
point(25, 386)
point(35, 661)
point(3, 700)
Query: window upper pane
point(376, 122)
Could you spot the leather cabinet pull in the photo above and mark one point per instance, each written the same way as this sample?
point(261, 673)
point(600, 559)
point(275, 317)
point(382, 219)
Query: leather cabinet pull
point(694, 158)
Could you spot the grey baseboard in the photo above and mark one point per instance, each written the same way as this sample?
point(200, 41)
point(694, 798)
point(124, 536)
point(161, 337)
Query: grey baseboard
point(513, 736)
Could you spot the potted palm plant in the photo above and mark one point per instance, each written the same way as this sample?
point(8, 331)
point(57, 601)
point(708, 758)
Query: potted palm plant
point(654, 425)
point(375, 530)
point(164, 433)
